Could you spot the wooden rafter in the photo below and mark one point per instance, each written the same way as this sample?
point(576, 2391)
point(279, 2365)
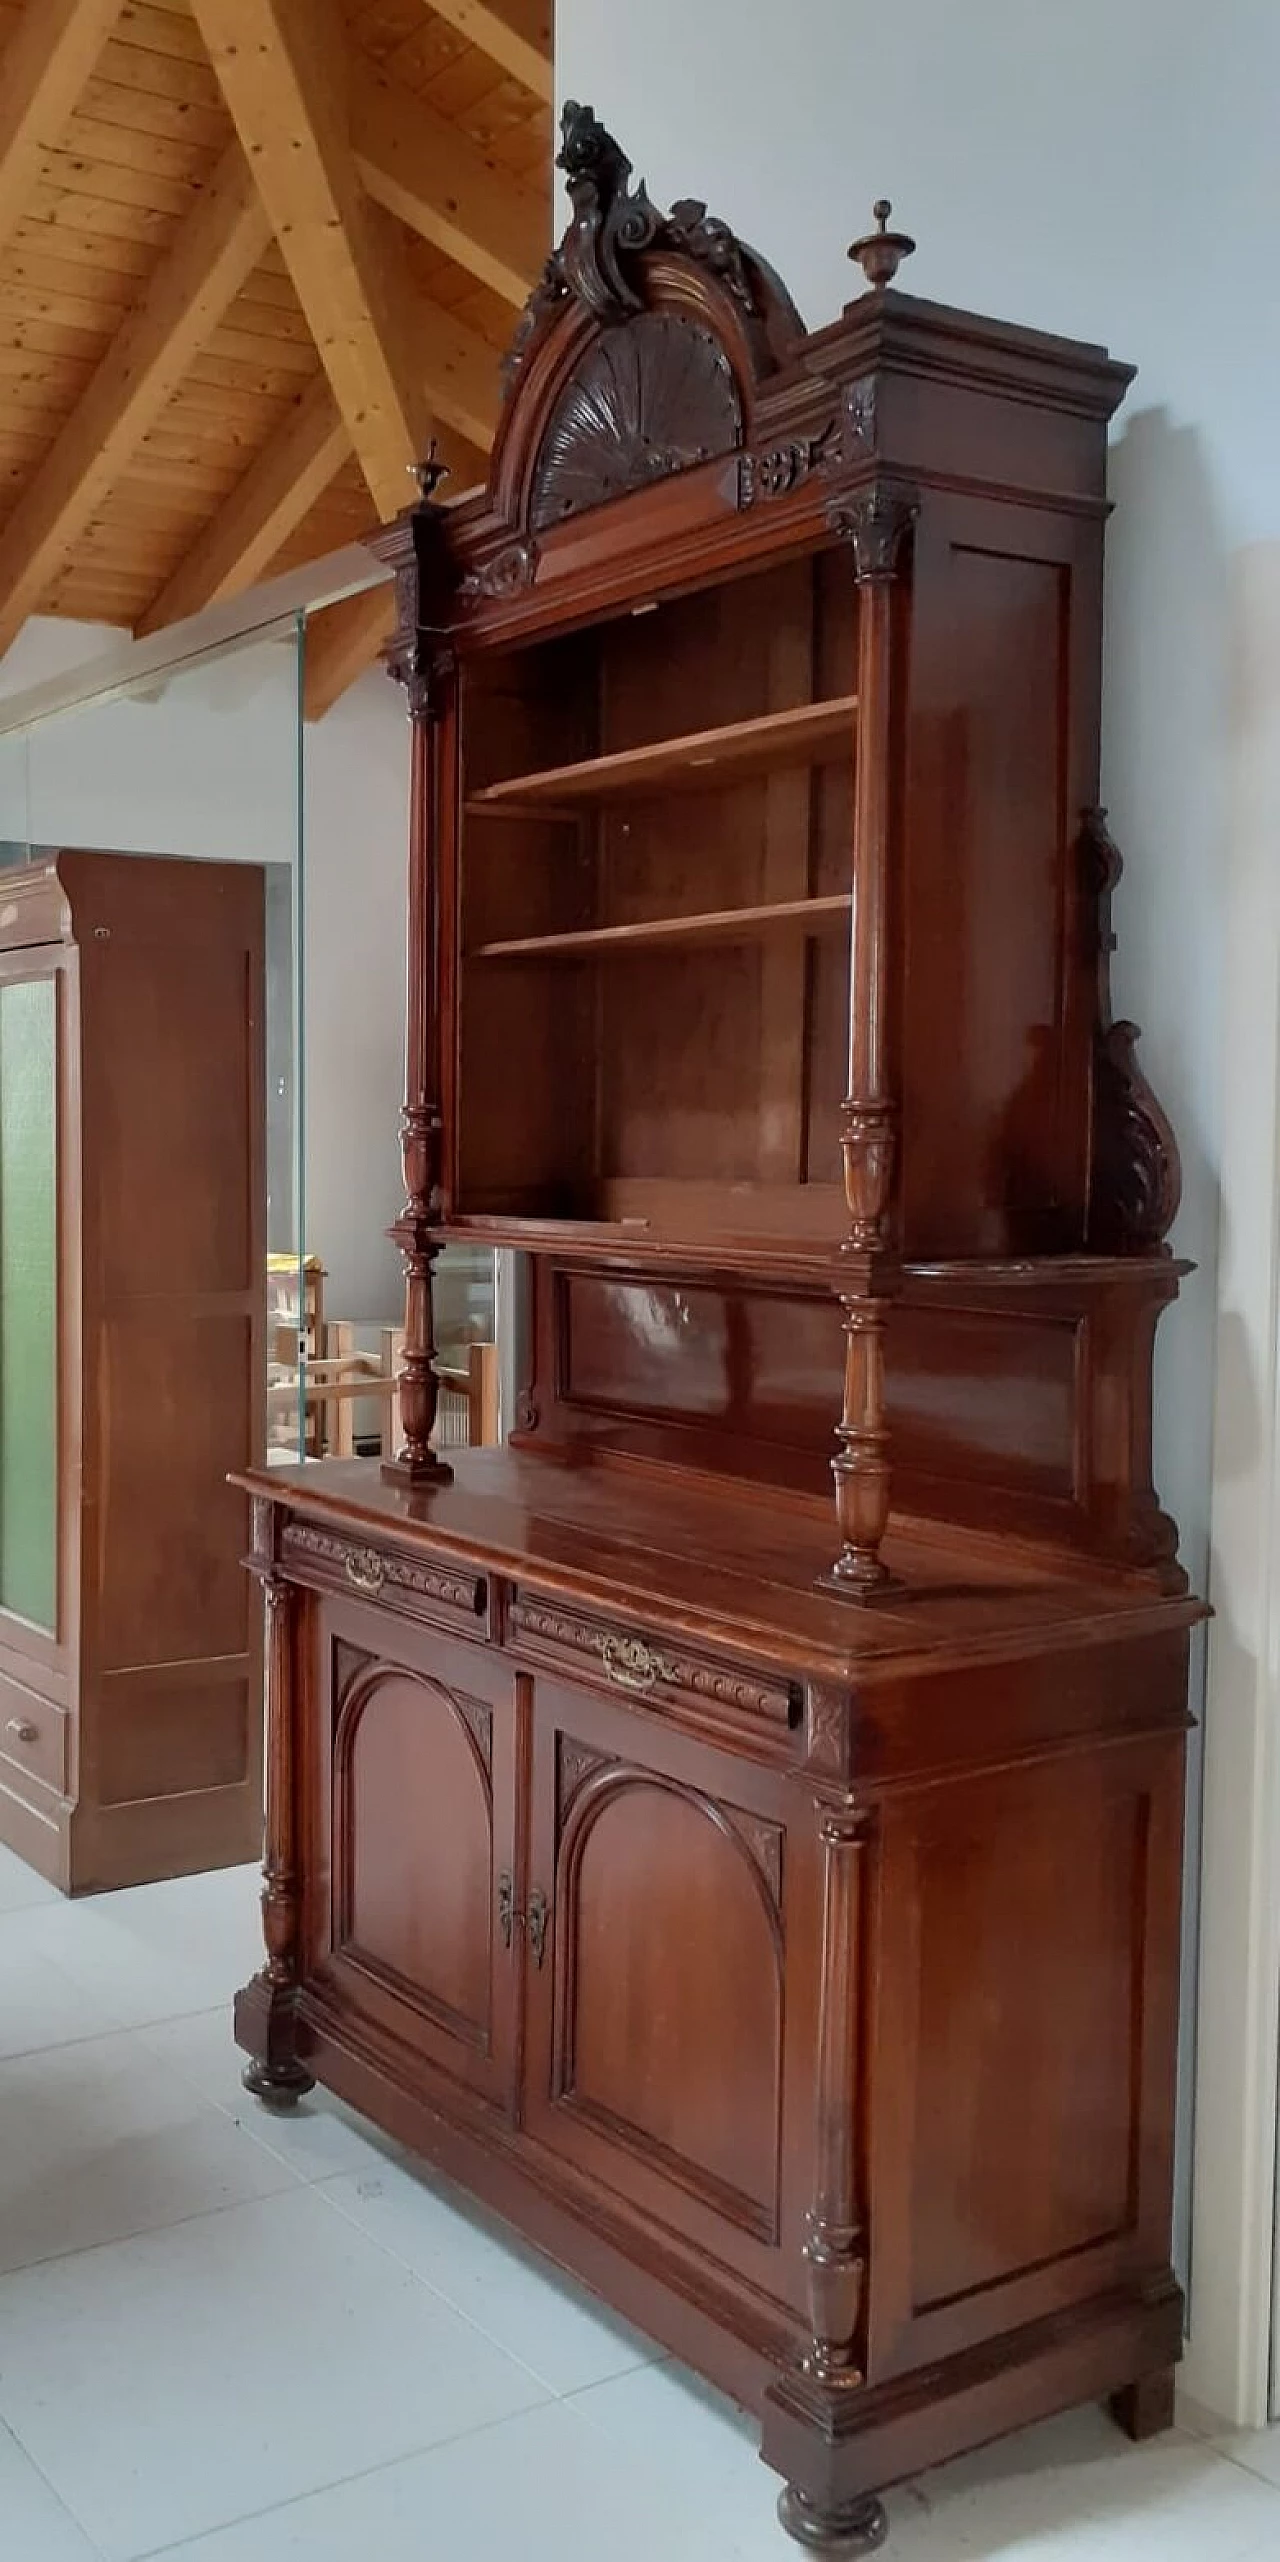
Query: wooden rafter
point(43, 70)
point(427, 171)
point(283, 69)
point(516, 34)
point(246, 532)
point(341, 642)
point(217, 248)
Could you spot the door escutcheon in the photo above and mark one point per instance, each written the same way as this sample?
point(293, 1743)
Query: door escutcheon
point(536, 1924)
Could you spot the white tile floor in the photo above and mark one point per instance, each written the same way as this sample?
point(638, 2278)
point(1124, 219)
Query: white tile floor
point(231, 2338)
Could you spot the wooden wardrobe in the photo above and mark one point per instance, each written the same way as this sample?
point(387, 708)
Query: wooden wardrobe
point(736, 1826)
point(132, 1308)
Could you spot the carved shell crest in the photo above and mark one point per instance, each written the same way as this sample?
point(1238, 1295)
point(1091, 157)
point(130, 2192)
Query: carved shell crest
point(652, 397)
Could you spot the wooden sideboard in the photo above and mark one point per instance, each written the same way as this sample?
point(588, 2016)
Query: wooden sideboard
point(770, 1905)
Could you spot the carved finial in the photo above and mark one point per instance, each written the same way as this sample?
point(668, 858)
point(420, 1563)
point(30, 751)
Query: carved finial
point(429, 473)
point(880, 252)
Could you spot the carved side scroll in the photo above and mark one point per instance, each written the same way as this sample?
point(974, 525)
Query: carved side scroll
point(1136, 1177)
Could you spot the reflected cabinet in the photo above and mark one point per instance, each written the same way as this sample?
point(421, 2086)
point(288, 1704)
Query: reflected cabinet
point(735, 1825)
point(131, 1354)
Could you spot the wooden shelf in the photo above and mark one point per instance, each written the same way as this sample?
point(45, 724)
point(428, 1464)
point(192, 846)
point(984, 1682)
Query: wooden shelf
point(653, 934)
point(815, 733)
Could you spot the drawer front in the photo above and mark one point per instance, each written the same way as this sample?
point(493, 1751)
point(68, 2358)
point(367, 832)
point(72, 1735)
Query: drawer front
point(32, 1733)
point(708, 1694)
point(437, 1591)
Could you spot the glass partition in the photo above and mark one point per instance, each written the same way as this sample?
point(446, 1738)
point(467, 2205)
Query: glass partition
point(201, 763)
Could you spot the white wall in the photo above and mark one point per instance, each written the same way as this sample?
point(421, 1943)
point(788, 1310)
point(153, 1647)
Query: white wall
point(1110, 170)
point(357, 782)
point(206, 765)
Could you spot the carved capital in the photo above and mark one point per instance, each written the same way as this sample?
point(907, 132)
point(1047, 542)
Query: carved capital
point(876, 526)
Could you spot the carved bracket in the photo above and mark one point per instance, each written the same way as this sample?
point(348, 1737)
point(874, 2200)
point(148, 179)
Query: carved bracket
point(773, 471)
point(1136, 1176)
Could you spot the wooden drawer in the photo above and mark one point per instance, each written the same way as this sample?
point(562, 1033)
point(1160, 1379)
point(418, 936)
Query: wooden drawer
point(708, 1693)
point(32, 1733)
point(442, 1593)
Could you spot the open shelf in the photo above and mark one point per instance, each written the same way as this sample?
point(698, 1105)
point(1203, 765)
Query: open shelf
point(652, 934)
point(815, 733)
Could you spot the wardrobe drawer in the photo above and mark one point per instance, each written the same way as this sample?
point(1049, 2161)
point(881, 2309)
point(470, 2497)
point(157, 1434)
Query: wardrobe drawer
point(32, 1733)
point(445, 1594)
point(708, 1692)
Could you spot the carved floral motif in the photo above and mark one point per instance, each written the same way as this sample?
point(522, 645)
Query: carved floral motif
point(507, 573)
point(682, 1672)
point(461, 1592)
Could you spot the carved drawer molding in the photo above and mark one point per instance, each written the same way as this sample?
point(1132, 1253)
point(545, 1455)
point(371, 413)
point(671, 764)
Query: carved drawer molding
point(418, 1587)
point(701, 1690)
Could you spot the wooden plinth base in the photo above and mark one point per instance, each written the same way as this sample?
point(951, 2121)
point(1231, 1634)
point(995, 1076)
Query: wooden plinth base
point(279, 2086)
point(414, 1473)
point(838, 2533)
point(863, 1596)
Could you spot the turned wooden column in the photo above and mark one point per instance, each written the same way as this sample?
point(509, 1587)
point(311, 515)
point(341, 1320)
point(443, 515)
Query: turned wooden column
point(835, 2228)
point(275, 2073)
point(875, 526)
point(427, 669)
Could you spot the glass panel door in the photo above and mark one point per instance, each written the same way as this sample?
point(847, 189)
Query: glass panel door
point(29, 1299)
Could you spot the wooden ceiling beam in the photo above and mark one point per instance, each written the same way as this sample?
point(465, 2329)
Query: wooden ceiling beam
point(341, 642)
point(427, 172)
point(284, 71)
point(43, 70)
point(195, 283)
point(280, 486)
point(516, 34)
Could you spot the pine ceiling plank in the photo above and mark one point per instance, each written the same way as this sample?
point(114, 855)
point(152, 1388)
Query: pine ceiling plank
point(430, 175)
point(43, 69)
point(174, 163)
point(277, 491)
point(187, 76)
point(341, 642)
point(152, 28)
point(122, 182)
point(283, 68)
point(186, 298)
point(142, 111)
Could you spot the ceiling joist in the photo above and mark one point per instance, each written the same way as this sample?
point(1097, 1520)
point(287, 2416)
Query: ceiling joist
point(198, 278)
point(283, 69)
point(43, 71)
point(516, 34)
point(341, 642)
point(441, 184)
point(277, 491)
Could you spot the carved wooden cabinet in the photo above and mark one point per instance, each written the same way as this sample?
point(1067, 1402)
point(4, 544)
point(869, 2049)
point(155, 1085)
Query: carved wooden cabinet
point(131, 1364)
point(770, 1904)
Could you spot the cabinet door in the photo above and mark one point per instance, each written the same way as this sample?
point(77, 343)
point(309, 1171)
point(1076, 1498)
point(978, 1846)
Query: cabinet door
point(414, 1932)
point(670, 1935)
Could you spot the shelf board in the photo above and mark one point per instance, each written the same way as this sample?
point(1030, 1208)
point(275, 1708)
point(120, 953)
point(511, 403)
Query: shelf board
point(814, 733)
point(653, 934)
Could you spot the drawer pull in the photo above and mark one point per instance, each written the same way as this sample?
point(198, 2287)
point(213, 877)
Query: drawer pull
point(364, 1568)
point(536, 1925)
point(632, 1665)
point(25, 1732)
point(506, 1906)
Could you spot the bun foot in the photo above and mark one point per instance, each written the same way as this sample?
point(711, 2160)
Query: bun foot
point(279, 2086)
point(861, 2527)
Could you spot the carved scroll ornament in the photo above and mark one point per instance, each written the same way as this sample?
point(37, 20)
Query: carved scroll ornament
point(1136, 1180)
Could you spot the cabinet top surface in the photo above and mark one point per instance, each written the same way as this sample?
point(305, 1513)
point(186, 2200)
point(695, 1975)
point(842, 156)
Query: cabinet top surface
point(736, 1569)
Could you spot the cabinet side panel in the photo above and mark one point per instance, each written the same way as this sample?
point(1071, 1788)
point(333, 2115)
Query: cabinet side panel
point(1001, 758)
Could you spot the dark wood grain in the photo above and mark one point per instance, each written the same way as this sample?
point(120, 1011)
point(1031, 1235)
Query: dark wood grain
point(772, 1910)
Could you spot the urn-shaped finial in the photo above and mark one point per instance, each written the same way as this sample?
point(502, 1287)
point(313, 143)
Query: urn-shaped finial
point(880, 252)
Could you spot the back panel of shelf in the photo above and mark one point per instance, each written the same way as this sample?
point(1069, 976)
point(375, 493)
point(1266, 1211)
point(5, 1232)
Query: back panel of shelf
point(685, 1072)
